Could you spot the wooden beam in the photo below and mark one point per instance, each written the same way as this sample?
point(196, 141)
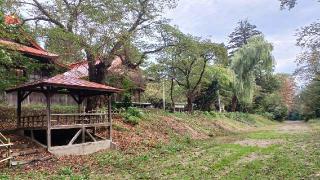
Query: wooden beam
point(75, 98)
point(48, 99)
point(19, 97)
point(109, 117)
point(75, 137)
point(91, 136)
point(79, 126)
point(25, 95)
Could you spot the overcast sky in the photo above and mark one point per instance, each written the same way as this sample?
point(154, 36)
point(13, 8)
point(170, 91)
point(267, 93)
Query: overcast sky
point(216, 19)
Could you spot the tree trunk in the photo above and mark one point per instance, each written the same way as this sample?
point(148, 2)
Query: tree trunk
point(219, 101)
point(97, 74)
point(171, 95)
point(234, 103)
point(189, 105)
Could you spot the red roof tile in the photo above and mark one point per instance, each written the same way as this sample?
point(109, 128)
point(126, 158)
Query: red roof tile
point(12, 20)
point(68, 83)
point(27, 50)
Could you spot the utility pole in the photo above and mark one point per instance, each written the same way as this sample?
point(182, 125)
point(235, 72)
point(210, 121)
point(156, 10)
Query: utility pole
point(163, 96)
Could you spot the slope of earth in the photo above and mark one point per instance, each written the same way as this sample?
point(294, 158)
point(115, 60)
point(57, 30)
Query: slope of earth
point(161, 145)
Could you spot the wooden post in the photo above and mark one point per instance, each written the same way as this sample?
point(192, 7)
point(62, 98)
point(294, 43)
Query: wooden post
point(109, 117)
point(9, 153)
point(80, 99)
point(48, 99)
point(83, 131)
point(19, 99)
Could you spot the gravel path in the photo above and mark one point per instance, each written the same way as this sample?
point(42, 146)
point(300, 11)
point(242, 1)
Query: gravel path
point(294, 127)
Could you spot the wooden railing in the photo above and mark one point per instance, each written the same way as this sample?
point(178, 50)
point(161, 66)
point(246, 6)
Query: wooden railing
point(35, 121)
point(5, 144)
point(64, 120)
point(78, 119)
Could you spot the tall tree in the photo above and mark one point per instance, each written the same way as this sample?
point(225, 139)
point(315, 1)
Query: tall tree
point(240, 36)
point(287, 90)
point(188, 60)
point(252, 57)
point(100, 27)
point(288, 4)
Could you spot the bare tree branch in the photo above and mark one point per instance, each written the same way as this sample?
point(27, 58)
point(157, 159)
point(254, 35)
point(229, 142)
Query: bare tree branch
point(47, 14)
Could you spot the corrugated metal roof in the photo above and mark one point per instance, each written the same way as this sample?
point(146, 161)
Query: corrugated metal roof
point(68, 83)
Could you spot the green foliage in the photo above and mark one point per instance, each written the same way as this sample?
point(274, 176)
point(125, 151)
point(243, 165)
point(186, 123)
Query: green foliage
point(65, 171)
point(309, 100)
point(241, 35)
point(133, 116)
point(252, 58)
point(64, 43)
point(217, 83)
point(186, 62)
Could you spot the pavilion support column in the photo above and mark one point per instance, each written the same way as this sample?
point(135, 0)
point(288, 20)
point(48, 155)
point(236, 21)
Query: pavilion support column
point(48, 99)
point(80, 100)
point(19, 101)
point(109, 117)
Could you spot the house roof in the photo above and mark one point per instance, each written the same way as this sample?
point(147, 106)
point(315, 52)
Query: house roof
point(27, 50)
point(81, 69)
point(11, 20)
point(64, 84)
point(31, 48)
point(117, 68)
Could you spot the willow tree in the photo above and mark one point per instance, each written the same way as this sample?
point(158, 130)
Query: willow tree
point(251, 59)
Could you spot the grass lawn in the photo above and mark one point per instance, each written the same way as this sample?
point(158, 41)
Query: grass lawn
point(285, 151)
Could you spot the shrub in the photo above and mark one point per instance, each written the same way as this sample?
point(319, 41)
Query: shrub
point(132, 116)
point(133, 120)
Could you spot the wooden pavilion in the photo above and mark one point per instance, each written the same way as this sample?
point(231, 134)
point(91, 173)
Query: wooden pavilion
point(84, 124)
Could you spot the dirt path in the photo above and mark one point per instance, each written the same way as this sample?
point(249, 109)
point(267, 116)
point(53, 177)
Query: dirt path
point(294, 127)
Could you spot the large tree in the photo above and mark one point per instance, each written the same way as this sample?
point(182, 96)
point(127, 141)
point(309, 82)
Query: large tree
point(240, 36)
point(256, 56)
point(186, 63)
point(100, 29)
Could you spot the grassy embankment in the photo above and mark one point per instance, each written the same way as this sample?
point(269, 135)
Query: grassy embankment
point(199, 146)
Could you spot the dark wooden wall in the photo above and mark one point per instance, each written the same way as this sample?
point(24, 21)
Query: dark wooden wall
point(39, 98)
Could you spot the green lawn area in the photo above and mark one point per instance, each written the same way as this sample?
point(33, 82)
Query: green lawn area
point(285, 151)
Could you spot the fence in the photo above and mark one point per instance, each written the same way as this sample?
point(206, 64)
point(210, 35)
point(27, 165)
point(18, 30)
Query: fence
point(5, 145)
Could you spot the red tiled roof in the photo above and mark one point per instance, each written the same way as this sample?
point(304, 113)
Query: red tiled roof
point(12, 20)
point(27, 50)
point(68, 83)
